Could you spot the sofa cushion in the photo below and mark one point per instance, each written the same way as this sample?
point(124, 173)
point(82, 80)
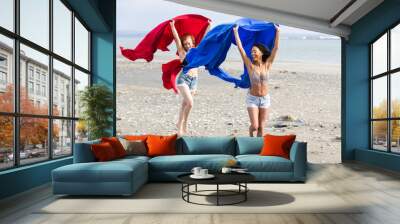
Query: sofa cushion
point(116, 145)
point(185, 163)
point(136, 137)
point(257, 163)
point(103, 152)
point(112, 171)
point(134, 157)
point(249, 145)
point(206, 145)
point(161, 145)
point(277, 145)
point(134, 147)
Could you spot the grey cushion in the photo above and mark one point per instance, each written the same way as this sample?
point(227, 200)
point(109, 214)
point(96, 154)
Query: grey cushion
point(134, 147)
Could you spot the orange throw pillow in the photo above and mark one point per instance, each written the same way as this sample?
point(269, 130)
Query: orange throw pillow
point(116, 145)
point(275, 145)
point(103, 152)
point(161, 145)
point(136, 137)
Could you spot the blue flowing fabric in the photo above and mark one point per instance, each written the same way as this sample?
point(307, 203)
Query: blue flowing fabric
point(212, 50)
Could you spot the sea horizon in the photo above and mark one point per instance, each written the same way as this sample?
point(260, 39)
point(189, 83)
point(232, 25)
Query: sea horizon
point(321, 49)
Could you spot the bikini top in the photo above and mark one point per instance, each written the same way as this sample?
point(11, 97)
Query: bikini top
point(257, 77)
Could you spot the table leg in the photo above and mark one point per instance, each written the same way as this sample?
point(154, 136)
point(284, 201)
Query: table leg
point(188, 190)
point(196, 187)
point(217, 194)
point(245, 193)
point(182, 188)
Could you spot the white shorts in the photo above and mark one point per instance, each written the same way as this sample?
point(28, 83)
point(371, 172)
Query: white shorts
point(258, 101)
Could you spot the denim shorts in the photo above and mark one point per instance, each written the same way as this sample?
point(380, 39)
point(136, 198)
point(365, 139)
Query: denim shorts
point(258, 101)
point(185, 79)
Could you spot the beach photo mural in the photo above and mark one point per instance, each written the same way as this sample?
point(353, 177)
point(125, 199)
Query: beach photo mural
point(193, 72)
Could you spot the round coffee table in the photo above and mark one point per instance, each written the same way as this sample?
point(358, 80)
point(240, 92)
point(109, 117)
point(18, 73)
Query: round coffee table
point(238, 179)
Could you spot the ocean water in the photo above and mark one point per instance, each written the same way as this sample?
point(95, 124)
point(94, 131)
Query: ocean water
point(323, 51)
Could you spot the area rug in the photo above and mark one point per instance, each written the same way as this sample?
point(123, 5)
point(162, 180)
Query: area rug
point(166, 198)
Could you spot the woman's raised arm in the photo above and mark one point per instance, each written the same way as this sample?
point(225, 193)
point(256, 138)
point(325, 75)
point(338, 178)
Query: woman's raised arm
point(245, 59)
point(177, 40)
point(271, 58)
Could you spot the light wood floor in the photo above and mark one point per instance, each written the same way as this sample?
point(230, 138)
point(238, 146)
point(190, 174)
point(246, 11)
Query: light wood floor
point(377, 188)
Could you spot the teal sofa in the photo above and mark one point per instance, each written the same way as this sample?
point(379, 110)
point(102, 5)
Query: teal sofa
point(125, 176)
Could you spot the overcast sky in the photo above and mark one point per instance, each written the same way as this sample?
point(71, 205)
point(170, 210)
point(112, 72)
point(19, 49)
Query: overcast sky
point(143, 15)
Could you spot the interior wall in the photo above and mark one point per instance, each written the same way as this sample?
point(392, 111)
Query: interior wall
point(104, 54)
point(355, 89)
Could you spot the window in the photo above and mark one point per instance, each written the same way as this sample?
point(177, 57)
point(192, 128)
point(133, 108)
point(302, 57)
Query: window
point(81, 45)
point(44, 91)
point(3, 71)
point(3, 78)
point(3, 61)
point(62, 137)
point(379, 56)
point(395, 47)
point(55, 101)
point(30, 88)
point(7, 14)
point(385, 94)
point(81, 81)
point(37, 74)
point(33, 147)
point(6, 73)
point(62, 74)
point(37, 89)
point(62, 29)
point(45, 131)
point(30, 72)
point(81, 132)
point(35, 21)
point(6, 142)
point(379, 97)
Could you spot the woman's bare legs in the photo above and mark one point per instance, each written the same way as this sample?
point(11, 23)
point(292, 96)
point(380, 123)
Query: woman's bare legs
point(180, 119)
point(192, 92)
point(187, 110)
point(253, 114)
point(263, 117)
point(187, 104)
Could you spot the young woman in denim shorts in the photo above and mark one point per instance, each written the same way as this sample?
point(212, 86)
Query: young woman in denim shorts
point(186, 83)
point(258, 99)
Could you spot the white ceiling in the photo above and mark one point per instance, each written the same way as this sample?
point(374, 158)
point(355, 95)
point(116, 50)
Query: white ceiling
point(315, 15)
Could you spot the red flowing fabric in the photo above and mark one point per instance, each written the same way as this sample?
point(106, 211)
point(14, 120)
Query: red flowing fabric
point(160, 37)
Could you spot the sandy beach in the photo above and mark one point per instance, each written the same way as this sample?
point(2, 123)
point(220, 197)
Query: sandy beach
point(305, 100)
